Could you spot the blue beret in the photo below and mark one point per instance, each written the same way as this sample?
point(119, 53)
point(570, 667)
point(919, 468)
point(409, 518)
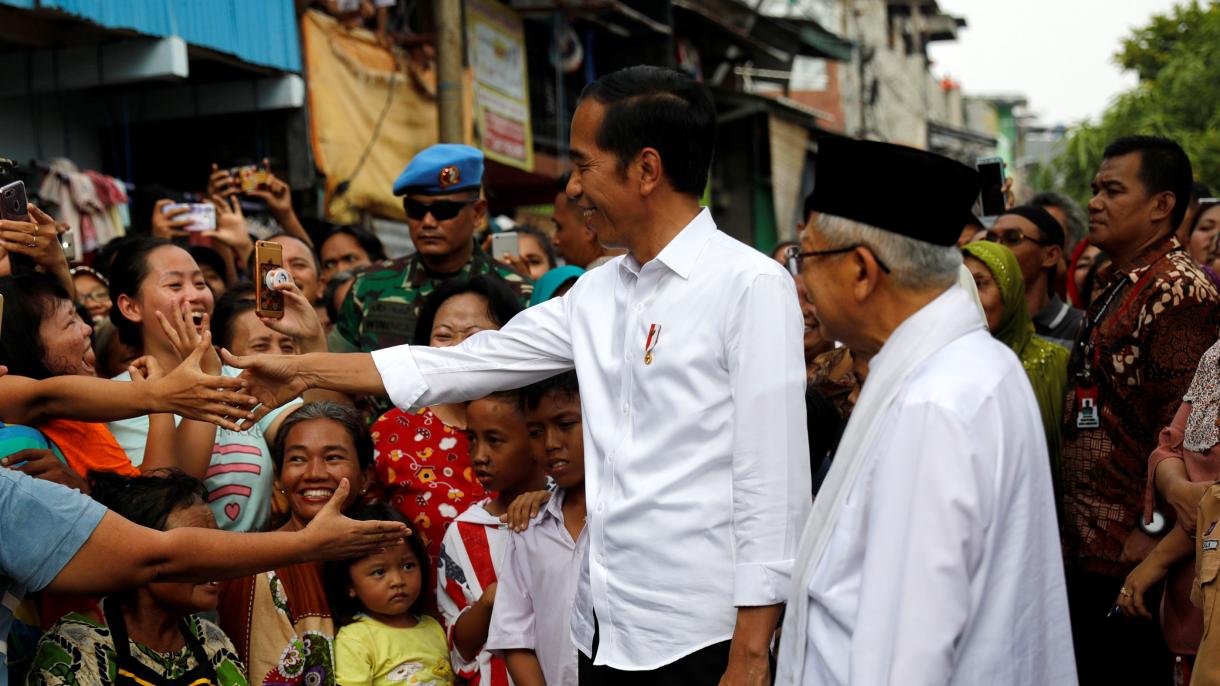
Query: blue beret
point(441, 168)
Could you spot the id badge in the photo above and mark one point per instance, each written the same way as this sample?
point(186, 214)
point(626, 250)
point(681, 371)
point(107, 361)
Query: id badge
point(1087, 412)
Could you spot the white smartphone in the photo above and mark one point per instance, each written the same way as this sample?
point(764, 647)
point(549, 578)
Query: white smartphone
point(70, 242)
point(507, 243)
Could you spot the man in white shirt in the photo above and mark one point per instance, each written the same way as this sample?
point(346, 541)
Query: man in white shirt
point(932, 552)
point(689, 354)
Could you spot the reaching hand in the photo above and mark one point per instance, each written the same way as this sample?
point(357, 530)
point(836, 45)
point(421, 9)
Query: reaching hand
point(277, 195)
point(222, 183)
point(145, 369)
point(166, 224)
point(335, 537)
point(272, 379)
point(231, 226)
point(188, 392)
point(42, 464)
point(37, 238)
point(180, 329)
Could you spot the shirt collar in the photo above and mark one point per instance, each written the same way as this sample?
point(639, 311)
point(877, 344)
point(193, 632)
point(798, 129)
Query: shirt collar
point(1134, 271)
point(476, 514)
point(1052, 313)
point(954, 299)
point(683, 250)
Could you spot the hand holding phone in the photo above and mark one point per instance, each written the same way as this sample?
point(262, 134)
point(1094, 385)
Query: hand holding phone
point(13, 204)
point(269, 263)
point(506, 243)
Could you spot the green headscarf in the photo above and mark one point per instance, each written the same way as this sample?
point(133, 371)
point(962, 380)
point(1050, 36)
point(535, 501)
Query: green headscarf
point(1045, 363)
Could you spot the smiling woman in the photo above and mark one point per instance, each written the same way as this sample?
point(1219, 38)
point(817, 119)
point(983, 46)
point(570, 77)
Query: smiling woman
point(281, 620)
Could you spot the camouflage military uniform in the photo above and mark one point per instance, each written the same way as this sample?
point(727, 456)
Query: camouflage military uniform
point(383, 305)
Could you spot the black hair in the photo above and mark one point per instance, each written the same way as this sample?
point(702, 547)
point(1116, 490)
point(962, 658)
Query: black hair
point(204, 255)
point(502, 303)
point(148, 499)
point(565, 383)
point(128, 270)
point(234, 303)
point(343, 415)
point(29, 299)
point(1164, 166)
point(548, 248)
point(337, 577)
point(659, 108)
point(105, 255)
point(1198, 191)
point(1077, 221)
point(369, 242)
point(1204, 208)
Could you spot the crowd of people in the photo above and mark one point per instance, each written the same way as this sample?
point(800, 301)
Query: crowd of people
point(914, 446)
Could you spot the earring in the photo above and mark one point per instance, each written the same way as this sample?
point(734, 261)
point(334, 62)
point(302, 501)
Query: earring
point(351, 593)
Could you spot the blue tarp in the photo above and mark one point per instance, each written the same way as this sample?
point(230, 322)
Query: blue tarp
point(261, 32)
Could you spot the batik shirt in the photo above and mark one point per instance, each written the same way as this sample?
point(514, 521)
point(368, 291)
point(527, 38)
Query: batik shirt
point(80, 651)
point(1161, 318)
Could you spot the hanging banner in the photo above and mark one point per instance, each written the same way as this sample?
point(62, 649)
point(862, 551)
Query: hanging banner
point(788, 152)
point(495, 37)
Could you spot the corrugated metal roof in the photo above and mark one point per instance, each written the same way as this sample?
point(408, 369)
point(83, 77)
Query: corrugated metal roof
point(262, 32)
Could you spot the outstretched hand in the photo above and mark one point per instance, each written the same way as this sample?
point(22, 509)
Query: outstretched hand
point(272, 379)
point(189, 392)
point(336, 537)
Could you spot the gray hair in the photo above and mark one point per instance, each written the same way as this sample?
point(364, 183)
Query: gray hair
point(1078, 222)
point(913, 264)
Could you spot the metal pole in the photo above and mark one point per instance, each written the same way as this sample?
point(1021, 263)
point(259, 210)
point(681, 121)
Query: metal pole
point(449, 69)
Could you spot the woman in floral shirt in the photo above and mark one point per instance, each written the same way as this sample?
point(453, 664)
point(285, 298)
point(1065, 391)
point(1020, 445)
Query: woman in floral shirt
point(423, 458)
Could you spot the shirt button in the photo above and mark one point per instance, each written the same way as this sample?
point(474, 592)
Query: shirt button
point(601, 559)
point(628, 356)
point(626, 408)
point(601, 507)
point(639, 308)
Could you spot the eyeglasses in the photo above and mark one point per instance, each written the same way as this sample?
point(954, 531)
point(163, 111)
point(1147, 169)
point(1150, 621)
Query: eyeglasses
point(1011, 238)
point(793, 256)
point(98, 295)
point(441, 210)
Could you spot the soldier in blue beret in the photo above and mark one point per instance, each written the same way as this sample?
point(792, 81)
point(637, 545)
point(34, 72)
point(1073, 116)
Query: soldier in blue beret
point(440, 191)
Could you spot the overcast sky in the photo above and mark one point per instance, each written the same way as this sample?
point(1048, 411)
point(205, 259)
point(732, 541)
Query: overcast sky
point(1058, 53)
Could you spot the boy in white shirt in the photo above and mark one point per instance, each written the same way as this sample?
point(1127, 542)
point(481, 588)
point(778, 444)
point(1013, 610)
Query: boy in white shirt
point(531, 621)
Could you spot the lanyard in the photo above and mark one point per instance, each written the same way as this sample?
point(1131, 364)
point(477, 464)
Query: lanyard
point(1087, 350)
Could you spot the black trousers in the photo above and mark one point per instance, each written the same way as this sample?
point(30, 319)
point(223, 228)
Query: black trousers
point(703, 667)
point(1117, 649)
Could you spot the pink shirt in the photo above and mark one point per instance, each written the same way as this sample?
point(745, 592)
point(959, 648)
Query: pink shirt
point(1181, 621)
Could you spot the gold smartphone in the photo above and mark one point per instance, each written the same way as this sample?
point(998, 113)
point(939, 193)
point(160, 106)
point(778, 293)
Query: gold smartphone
point(268, 258)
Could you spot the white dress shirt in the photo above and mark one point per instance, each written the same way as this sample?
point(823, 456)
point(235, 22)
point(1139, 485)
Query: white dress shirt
point(534, 598)
point(944, 566)
point(697, 465)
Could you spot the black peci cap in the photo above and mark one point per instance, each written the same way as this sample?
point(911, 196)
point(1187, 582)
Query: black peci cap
point(910, 192)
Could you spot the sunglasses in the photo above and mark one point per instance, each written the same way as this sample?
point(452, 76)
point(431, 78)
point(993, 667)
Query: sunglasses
point(440, 210)
point(793, 257)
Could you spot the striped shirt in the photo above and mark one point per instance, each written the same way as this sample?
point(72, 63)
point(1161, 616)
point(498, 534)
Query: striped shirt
point(471, 554)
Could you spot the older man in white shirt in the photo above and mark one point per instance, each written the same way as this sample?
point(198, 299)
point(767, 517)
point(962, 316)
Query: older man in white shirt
point(932, 552)
point(689, 354)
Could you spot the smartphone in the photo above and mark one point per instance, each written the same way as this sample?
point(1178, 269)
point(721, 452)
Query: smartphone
point(70, 242)
point(507, 243)
point(250, 177)
point(13, 207)
point(991, 173)
point(269, 257)
point(201, 214)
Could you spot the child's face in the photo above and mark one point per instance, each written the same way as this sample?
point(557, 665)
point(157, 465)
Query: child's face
point(387, 583)
point(557, 438)
point(499, 446)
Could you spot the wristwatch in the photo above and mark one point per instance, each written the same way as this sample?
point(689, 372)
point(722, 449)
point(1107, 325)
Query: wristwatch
point(1156, 527)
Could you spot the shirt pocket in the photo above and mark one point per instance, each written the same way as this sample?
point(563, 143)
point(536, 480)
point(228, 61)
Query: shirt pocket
point(1205, 583)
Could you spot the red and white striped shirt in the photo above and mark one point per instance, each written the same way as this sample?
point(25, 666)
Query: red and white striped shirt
point(472, 551)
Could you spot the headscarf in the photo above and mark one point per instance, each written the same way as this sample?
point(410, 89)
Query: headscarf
point(551, 281)
point(1045, 362)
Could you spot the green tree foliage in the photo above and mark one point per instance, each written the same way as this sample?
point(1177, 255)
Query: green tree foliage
point(1177, 58)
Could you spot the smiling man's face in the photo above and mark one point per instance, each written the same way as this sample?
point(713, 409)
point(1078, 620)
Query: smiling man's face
point(604, 195)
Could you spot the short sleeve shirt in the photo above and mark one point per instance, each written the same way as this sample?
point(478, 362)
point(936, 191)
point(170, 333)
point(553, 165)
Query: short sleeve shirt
point(241, 477)
point(31, 556)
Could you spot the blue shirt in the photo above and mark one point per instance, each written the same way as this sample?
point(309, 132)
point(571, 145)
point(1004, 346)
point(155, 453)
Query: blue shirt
point(42, 525)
